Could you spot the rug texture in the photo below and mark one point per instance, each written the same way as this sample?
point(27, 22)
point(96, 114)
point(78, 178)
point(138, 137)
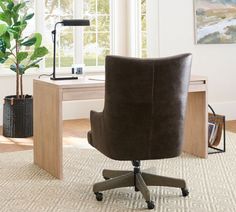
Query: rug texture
point(25, 187)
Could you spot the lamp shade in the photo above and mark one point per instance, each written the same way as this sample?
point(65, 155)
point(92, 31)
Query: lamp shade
point(76, 22)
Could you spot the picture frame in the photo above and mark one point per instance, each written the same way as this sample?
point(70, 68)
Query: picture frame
point(215, 21)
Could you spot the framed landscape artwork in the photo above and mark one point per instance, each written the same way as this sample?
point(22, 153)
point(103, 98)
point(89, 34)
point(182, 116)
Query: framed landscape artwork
point(215, 21)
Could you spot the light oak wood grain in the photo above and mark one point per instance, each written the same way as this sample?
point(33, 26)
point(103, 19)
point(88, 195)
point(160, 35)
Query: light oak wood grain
point(48, 128)
point(195, 136)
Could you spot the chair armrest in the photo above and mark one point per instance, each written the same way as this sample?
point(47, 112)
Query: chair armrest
point(96, 135)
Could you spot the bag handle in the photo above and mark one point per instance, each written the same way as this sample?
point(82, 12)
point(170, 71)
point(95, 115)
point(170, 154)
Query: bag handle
point(212, 110)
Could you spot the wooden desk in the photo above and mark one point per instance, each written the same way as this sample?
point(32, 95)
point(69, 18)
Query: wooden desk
point(48, 97)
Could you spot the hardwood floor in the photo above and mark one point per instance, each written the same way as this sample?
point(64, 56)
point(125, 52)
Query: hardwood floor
point(231, 126)
point(75, 131)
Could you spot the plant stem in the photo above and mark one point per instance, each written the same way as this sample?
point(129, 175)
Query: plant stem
point(21, 86)
point(17, 72)
point(13, 53)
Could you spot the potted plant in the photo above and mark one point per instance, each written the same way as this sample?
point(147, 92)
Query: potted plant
point(23, 53)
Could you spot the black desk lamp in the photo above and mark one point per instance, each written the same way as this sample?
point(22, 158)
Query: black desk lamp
point(72, 22)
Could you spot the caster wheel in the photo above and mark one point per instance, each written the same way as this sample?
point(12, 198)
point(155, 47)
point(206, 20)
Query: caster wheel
point(99, 196)
point(185, 192)
point(106, 178)
point(150, 205)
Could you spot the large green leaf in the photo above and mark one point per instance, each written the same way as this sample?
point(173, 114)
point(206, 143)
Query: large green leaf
point(29, 42)
point(18, 7)
point(2, 54)
point(7, 39)
point(3, 29)
point(6, 17)
point(3, 17)
point(22, 39)
point(2, 45)
point(13, 30)
point(28, 17)
point(3, 6)
point(11, 38)
point(15, 17)
point(13, 67)
point(17, 29)
point(39, 52)
point(38, 40)
point(3, 59)
point(22, 56)
point(23, 26)
point(20, 25)
point(15, 10)
point(21, 68)
point(10, 5)
point(34, 64)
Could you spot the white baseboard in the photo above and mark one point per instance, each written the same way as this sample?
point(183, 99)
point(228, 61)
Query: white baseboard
point(225, 108)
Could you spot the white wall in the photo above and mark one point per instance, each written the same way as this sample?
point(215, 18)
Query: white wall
point(217, 62)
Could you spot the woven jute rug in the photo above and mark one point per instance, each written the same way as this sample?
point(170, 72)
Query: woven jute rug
point(25, 187)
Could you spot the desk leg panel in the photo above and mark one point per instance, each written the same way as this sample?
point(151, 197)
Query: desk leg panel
point(48, 128)
point(195, 133)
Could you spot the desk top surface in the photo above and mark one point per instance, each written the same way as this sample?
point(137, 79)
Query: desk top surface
point(98, 81)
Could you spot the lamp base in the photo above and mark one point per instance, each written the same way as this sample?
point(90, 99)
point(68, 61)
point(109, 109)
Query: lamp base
point(64, 78)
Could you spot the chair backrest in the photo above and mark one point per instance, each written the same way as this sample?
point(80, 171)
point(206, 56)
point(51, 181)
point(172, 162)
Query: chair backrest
point(145, 103)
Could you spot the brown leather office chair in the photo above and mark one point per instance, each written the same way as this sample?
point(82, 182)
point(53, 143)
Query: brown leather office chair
point(143, 119)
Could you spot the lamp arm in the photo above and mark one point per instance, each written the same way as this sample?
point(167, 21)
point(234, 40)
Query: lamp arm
point(54, 33)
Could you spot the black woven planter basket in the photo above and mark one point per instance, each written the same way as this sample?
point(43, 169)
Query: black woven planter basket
point(18, 117)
